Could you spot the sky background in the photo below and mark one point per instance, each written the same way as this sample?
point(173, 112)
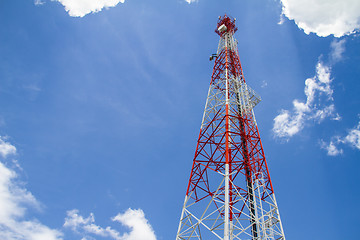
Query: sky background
point(101, 104)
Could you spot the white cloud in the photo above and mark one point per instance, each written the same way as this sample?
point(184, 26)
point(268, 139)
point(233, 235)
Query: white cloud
point(352, 139)
point(324, 17)
point(317, 90)
point(38, 2)
point(14, 200)
point(79, 8)
point(287, 125)
point(77, 223)
point(331, 148)
point(190, 1)
point(6, 148)
point(264, 84)
point(319, 101)
point(140, 229)
point(337, 50)
point(136, 221)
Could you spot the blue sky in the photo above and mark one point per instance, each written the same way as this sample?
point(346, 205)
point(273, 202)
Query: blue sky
point(100, 110)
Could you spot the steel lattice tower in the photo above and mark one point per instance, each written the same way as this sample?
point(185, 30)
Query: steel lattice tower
point(230, 194)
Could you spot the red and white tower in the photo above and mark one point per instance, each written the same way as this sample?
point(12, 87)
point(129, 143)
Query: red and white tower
point(230, 194)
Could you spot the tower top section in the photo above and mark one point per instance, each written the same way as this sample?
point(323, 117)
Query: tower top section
point(225, 24)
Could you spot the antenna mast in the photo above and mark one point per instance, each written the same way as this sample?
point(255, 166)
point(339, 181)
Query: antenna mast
point(229, 195)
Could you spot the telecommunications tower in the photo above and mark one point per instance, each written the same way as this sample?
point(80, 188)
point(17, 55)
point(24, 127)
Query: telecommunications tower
point(229, 195)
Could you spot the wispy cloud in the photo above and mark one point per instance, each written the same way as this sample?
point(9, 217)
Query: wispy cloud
point(135, 220)
point(80, 8)
point(331, 147)
point(264, 84)
point(317, 107)
point(323, 18)
point(352, 139)
point(319, 101)
point(87, 225)
point(338, 48)
point(32, 87)
point(38, 2)
point(14, 201)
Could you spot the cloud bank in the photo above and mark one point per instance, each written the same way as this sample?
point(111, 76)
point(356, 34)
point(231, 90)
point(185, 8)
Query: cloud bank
point(79, 8)
point(324, 18)
point(14, 200)
point(140, 228)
